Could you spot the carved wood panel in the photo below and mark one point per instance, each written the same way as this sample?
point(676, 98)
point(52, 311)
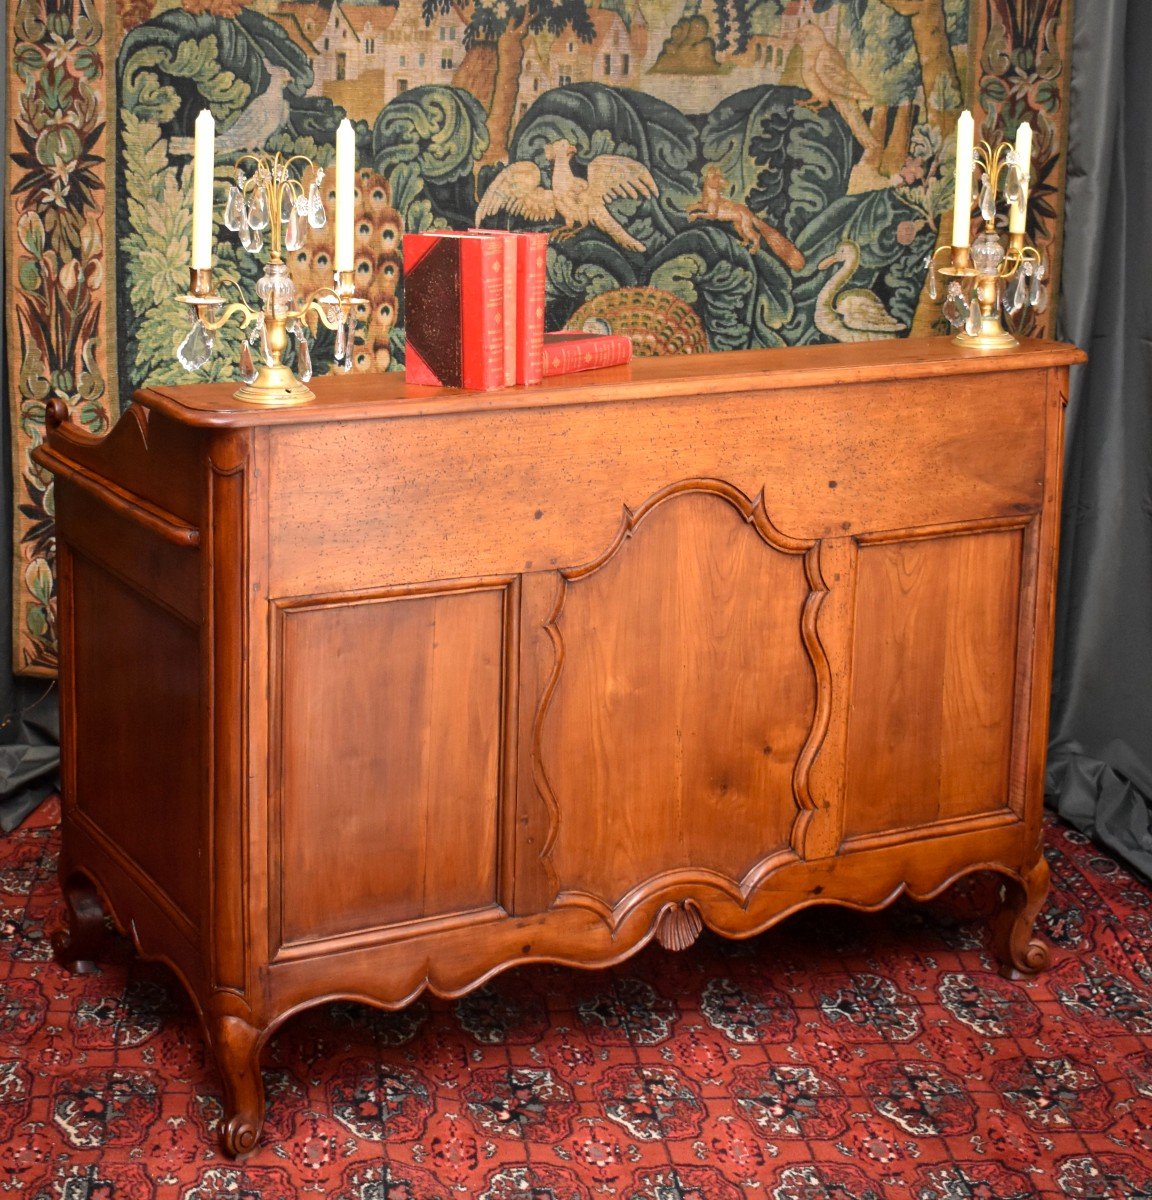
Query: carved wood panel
point(138, 752)
point(938, 623)
point(391, 747)
point(676, 734)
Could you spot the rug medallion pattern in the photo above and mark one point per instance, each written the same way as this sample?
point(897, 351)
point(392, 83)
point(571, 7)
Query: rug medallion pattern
point(837, 1057)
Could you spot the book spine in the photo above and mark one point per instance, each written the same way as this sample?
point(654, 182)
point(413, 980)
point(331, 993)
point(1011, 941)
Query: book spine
point(511, 314)
point(586, 353)
point(482, 312)
point(530, 295)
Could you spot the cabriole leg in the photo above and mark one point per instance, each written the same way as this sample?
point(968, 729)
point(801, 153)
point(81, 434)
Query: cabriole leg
point(1021, 954)
point(79, 947)
point(237, 1048)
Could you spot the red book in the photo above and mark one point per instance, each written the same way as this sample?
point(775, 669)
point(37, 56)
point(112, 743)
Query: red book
point(530, 280)
point(454, 310)
point(566, 352)
point(524, 301)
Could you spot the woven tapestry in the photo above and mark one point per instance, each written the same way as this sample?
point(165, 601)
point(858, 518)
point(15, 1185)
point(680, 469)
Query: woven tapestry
point(799, 152)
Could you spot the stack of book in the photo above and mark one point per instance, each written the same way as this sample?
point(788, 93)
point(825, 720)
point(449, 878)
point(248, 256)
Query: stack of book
point(474, 313)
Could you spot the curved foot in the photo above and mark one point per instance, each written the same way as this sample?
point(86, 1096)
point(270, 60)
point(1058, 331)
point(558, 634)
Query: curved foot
point(1020, 954)
point(237, 1048)
point(81, 945)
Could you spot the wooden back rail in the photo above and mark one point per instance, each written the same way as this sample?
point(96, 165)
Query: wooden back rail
point(406, 686)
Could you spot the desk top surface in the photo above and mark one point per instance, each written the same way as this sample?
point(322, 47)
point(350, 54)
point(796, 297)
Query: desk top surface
point(382, 396)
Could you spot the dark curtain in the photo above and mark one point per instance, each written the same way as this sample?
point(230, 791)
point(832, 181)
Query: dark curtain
point(1100, 757)
point(29, 732)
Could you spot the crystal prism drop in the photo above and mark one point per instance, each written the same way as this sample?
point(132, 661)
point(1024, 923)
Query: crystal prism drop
point(341, 342)
point(258, 210)
point(234, 215)
point(251, 238)
point(287, 205)
point(1012, 293)
point(1039, 298)
point(196, 348)
point(955, 306)
point(350, 341)
point(987, 201)
point(1022, 283)
point(294, 231)
point(265, 345)
point(303, 358)
point(247, 366)
point(317, 217)
point(933, 282)
point(974, 320)
point(1011, 178)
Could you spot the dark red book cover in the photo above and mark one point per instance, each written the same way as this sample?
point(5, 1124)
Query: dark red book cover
point(566, 352)
point(453, 310)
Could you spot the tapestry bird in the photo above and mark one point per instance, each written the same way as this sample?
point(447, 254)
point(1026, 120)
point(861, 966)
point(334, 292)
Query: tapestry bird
point(825, 74)
point(251, 130)
point(579, 203)
point(850, 314)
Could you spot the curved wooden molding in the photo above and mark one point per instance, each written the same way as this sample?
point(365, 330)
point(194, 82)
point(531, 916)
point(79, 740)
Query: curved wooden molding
point(702, 882)
point(539, 774)
point(133, 424)
point(468, 962)
point(72, 453)
point(755, 514)
point(679, 925)
point(801, 776)
point(753, 511)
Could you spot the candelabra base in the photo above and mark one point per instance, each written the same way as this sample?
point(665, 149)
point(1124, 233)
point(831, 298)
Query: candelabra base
point(993, 336)
point(275, 387)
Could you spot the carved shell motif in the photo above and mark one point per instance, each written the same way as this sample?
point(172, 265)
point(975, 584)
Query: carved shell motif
point(678, 925)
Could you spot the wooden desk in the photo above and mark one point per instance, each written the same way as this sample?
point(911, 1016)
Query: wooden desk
point(403, 687)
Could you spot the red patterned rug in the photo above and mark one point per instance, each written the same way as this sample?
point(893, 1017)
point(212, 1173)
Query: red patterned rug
point(839, 1056)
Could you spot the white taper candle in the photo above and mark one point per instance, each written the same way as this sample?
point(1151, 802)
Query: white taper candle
point(345, 195)
point(962, 206)
point(1018, 213)
point(203, 172)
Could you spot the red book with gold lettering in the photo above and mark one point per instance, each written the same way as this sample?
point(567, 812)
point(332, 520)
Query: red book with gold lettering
point(454, 310)
point(531, 268)
point(573, 351)
point(527, 254)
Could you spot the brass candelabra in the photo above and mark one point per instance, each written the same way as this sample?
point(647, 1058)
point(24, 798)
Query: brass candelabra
point(270, 199)
point(989, 278)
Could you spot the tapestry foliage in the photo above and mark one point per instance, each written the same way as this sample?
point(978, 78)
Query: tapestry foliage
point(800, 151)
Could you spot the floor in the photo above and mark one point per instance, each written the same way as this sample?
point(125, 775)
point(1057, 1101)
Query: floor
point(840, 1056)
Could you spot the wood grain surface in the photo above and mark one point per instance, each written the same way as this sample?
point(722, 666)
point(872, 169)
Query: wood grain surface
point(403, 687)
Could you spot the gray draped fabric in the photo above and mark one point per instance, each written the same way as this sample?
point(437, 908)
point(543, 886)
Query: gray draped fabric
point(1100, 757)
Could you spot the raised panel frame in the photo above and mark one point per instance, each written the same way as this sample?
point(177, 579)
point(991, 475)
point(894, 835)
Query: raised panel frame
point(282, 610)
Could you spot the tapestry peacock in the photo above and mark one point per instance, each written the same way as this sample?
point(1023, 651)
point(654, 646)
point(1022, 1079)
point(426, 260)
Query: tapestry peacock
point(377, 258)
point(658, 322)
